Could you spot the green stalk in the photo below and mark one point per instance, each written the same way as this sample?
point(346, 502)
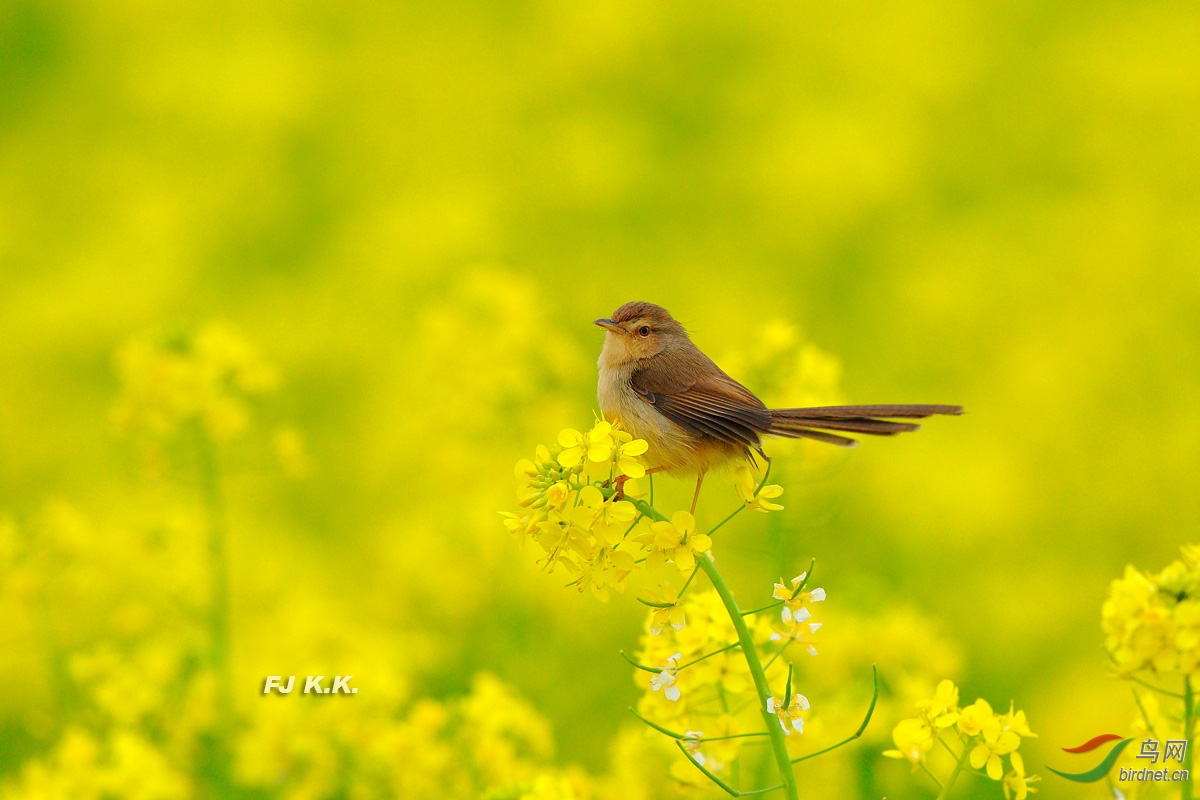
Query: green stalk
point(958, 768)
point(218, 612)
point(778, 743)
point(1189, 720)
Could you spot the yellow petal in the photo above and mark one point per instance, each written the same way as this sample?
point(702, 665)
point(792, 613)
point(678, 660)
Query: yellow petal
point(622, 560)
point(995, 769)
point(590, 496)
point(600, 451)
point(979, 756)
point(634, 448)
point(622, 511)
point(685, 560)
point(630, 468)
point(684, 522)
point(569, 438)
point(1007, 742)
point(570, 457)
point(600, 431)
point(700, 542)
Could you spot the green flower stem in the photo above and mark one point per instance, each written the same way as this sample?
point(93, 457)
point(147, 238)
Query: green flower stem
point(778, 744)
point(729, 789)
point(687, 583)
point(655, 605)
point(641, 505)
point(724, 649)
point(218, 612)
point(640, 666)
point(684, 736)
point(657, 670)
point(1189, 721)
point(1153, 688)
point(778, 653)
point(735, 512)
point(760, 609)
point(858, 733)
point(932, 777)
point(958, 768)
point(1145, 717)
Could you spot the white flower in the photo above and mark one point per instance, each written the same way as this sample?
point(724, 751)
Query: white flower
point(789, 715)
point(665, 679)
point(799, 615)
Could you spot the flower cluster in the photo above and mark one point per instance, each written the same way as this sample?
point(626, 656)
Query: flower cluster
point(572, 496)
point(1152, 621)
point(205, 377)
point(696, 678)
point(981, 736)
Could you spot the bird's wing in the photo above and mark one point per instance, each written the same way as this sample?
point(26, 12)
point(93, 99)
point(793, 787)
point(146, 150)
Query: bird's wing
point(713, 405)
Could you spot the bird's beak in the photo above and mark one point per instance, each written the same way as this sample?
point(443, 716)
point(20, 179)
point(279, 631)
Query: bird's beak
point(609, 325)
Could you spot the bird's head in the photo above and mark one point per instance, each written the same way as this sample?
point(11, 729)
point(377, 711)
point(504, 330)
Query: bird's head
point(640, 330)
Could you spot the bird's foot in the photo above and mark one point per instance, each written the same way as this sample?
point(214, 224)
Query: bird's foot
point(619, 485)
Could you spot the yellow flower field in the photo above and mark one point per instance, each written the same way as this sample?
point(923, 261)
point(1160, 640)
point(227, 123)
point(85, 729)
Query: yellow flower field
point(287, 290)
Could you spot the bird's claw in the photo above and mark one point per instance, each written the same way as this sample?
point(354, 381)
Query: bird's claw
point(619, 486)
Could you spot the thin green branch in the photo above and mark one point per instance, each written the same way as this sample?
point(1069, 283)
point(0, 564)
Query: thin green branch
point(639, 666)
point(724, 649)
point(778, 745)
point(932, 777)
point(629, 530)
point(720, 524)
point(1153, 688)
point(687, 737)
point(1189, 717)
point(858, 733)
point(778, 653)
point(656, 605)
point(807, 577)
point(767, 607)
point(728, 789)
point(688, 582)
point(732, 736)
point(742, 507)
point(798, 590)
point(958, 768)
point(1145, 717)
point(949, 749)
point(656, 726)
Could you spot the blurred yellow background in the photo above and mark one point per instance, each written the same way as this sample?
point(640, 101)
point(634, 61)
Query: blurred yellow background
point(396, 222)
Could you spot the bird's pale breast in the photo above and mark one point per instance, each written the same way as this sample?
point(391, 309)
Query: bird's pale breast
point(670, 446)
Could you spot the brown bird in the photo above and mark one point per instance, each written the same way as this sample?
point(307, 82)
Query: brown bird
point(694, 417)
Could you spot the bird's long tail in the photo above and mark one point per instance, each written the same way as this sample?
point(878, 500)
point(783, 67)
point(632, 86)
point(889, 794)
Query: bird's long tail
point(813, 423)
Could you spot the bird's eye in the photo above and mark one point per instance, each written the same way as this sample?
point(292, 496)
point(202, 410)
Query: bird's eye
point(644, 331)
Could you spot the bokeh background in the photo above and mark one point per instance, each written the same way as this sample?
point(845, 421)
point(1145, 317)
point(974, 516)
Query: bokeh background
point(390, 226)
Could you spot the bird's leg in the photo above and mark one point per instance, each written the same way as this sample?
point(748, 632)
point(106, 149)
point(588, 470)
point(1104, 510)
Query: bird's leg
point(619, 482)
point(696, 496)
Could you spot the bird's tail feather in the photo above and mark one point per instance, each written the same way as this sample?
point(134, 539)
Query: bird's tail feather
point(812, 423)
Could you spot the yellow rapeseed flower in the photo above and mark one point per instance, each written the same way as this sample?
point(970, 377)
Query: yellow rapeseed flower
point(913, 740)
point(746, 485)
point(996, 742)
point(1016, 783)
point(678, 541)
point(789, 713)
point(595, 445)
